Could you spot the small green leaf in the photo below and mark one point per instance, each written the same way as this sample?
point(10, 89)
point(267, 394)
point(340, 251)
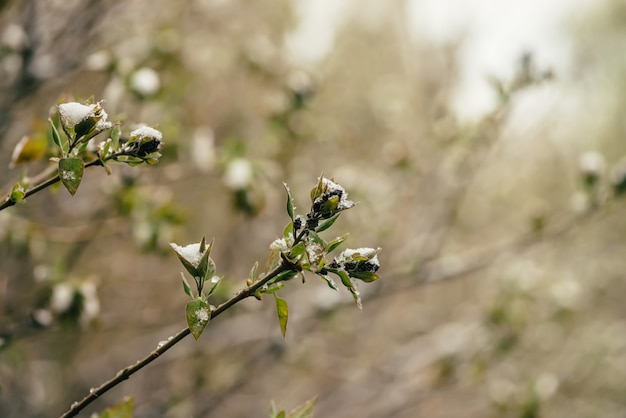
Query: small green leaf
point(273, 289)
point(317, 190)
point(345, 279)
point(56, 137)
point(289, 202)
point(297, 251)
point(366, 276)
point(71, 173)
point(215, 280)
point(17, 193)
point(305, 410)
point(115, 136)
point(327, 223)
point(336, 243)
point(288, 231)
point(198, 316)
point(272, 409)
point(253, 271)
point(123, 409)
point(206, 267)
point(330, 282)
point(284, 276)
point(186, 287)
point(283, 313)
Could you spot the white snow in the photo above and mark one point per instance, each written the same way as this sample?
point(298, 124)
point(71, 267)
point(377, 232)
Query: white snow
point(146, 132)
point(202, 314)
point(190, 252)
point(73, 113)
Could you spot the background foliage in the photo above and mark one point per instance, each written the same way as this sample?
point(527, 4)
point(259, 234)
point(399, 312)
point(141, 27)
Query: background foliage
point(501, 293)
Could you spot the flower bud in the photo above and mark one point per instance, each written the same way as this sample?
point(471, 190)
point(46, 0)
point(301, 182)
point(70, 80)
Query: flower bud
point(361, 263)
point(83, 119)
point(143, 141)
point(329, 198)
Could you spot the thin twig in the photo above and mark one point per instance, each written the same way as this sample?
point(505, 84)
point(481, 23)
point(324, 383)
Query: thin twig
point(8, 202)
point(126, 372)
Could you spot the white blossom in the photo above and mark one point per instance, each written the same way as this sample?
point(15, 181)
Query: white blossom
point(238, 174)
point(145, 81)
point(62, 297)
point(592, 163)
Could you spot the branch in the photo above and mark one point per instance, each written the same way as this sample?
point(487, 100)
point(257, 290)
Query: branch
point(8, 202)
point(126, 372)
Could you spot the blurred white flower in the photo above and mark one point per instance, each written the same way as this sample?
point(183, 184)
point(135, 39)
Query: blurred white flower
point(145, 81)
point(546, 385)
point(91, 303)
point(62, 297)
point(14, 37)
point(98, 61)
point(592, 163)
point(238, 174)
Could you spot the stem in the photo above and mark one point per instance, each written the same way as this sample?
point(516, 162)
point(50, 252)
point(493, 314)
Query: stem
point(126, 372)
point(8, 202)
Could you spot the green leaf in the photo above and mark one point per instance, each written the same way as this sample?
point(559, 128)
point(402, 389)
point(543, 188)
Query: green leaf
point(272, 409)
point(283, 313)
point(317, 190)
point(198, 316)
point(289, 202)
point(305, 410)
point(56, 137)
point(206, 267)
point(115, 135)
point(288, 231)
point(186, 287)
point(253, 271)
point(345, 279)
point(273, 289)
point(17, 193)
point(330, 282)
point(71, 173)
point(215, 281)
point(336, 243)
point(284, 276)
point(297, 251)
point(123, 409)
point(366, 276)
point(327, 223)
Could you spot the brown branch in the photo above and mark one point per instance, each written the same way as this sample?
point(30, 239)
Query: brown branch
point(126, 372)
point(8, 202)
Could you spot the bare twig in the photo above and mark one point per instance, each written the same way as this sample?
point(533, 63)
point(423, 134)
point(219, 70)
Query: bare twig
point(126, 372)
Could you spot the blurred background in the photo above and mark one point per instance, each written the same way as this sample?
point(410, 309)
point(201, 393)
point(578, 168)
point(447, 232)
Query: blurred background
point(482, 139)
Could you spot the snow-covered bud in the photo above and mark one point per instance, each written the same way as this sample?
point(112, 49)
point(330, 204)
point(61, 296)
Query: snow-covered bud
point(196, 258)
point(328, 198)
point(143, 141)
point(360, 263)
point(82, 119)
